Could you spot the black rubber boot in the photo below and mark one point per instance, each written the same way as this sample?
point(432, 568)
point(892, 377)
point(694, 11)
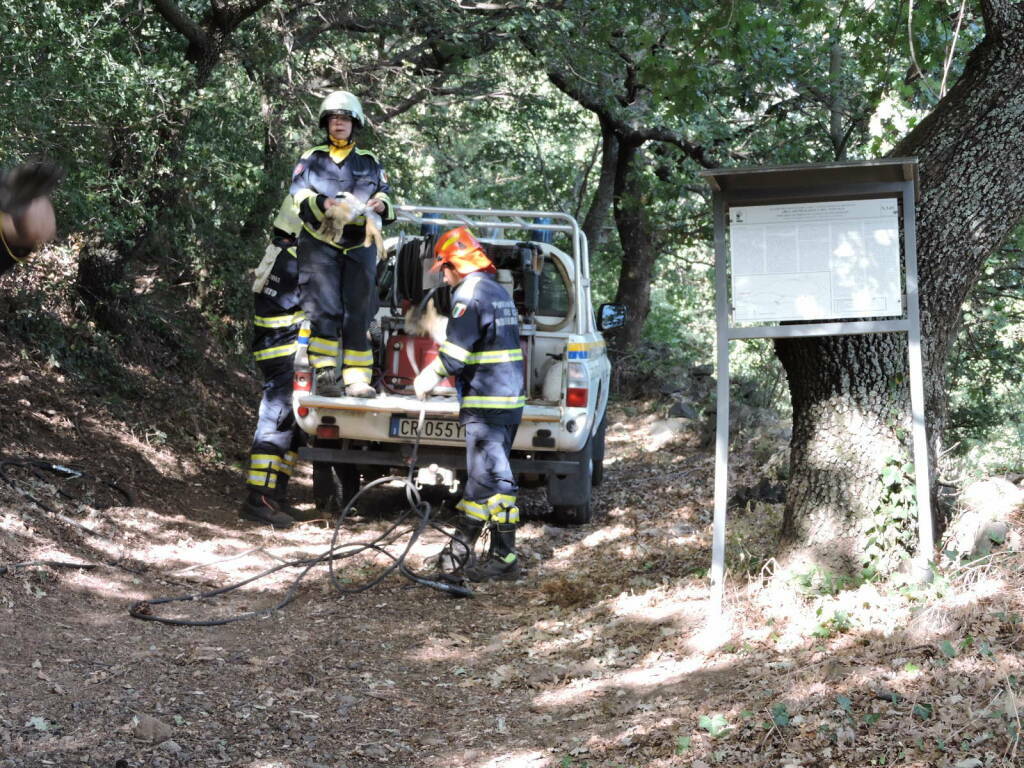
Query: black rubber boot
point(260, 508)
point(502, 562)
point(280, 495)
point(327, 384)
point(458, 553)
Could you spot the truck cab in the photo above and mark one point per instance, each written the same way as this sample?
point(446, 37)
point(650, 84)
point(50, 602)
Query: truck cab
point(560, 442)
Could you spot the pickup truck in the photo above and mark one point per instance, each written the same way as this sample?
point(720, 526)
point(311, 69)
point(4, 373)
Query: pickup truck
point(560, 442)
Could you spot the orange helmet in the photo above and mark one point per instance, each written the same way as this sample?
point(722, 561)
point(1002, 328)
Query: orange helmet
point(461, 251)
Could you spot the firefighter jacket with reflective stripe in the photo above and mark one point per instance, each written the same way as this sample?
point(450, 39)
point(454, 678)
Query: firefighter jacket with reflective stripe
point(482, 351)
point(317, 177)
point(276, 311)
point(281, 289)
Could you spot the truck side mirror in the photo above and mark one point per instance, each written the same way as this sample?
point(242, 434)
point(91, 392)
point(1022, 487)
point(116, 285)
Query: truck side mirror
point(611, 316)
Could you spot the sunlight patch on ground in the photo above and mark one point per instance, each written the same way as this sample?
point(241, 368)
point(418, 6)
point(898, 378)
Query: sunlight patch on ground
point(664, 672)
point(12, 524)
point(562, 555)
point(217, 557)
point(550, 637)
point(660, 671)
point(987, 586)
point(714, 633)
point(523, 759)
point(658, 605)
point(605, 535)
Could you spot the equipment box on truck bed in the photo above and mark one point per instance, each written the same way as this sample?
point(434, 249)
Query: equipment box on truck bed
point(560, 442)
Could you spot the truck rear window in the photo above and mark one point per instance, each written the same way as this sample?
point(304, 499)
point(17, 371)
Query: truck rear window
point(554, 291)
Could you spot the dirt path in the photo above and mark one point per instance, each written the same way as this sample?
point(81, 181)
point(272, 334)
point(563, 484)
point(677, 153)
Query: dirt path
point(596, 658)
point(523, 674)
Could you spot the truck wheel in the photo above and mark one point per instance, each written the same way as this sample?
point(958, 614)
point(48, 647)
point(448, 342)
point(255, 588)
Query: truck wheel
point(597, 473)
point(572, 515)
point(569, 495)
point(333, 484)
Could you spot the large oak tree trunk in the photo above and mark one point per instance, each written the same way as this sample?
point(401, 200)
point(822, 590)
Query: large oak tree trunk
point(638, 249)
point(849, 394)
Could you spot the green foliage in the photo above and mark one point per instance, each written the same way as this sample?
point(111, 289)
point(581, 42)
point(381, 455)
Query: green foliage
point(199, 160)
point(682, 291)
point(635, 369)
point(780, 715)
point(892, 525)
point(819, 581)
point(715, 724)
point(922, 711)
point(984, 368)
point(837, 624)
point(85, 97)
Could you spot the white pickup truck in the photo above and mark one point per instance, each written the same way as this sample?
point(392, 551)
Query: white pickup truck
point(560, 443)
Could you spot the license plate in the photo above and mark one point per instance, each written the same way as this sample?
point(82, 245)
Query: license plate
point(433, 429)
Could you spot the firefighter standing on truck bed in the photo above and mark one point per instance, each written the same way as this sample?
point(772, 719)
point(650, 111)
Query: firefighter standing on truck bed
point(337, 279)
point(276, 321)
point(481, 350)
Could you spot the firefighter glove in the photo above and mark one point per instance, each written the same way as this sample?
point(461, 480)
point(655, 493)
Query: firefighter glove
point(345, 209)
point(427, 379)
point(265, 268)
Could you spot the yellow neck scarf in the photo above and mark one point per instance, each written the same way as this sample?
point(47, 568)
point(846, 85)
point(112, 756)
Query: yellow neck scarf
point(339, 149)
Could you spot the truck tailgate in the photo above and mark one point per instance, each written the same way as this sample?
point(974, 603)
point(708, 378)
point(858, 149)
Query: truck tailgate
point(436, 406)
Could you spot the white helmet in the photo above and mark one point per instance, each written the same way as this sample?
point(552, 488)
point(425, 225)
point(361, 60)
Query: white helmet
point(341, 103)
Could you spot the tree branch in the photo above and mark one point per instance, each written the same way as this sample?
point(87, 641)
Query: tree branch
point(188, 28)
point(228, 18)
point(626, 129)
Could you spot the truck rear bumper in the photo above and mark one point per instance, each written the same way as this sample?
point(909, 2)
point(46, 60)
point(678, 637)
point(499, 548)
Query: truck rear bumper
point(545, 428)
point(454, 458)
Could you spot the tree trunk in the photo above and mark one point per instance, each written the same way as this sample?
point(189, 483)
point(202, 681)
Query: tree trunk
point(597, 213)
point(849, 394)
point(638, 250)
point(837, 106)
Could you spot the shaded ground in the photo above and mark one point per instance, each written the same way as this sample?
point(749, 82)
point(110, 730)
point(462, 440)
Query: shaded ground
point(599, 657)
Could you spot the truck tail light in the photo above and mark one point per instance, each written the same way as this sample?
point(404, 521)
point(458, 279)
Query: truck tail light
point(303, 411)
point(576, 397)
point(578, 390)
point(328, 431)
point(303, 381)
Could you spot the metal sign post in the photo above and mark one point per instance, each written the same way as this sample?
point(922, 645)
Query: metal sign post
point(819, 220)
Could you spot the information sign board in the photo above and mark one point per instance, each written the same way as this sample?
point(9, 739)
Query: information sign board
point(820, 243)
point(815, 261)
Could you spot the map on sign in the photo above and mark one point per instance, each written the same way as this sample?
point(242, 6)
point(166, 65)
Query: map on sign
point(815, 261)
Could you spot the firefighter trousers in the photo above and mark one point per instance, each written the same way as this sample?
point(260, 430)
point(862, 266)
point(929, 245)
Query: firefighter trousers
point(337, 291)
point(277, 439)
point(490, 492)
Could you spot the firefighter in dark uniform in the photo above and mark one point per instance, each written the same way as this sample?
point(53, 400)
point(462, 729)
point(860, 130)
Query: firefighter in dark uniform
point(481, 350)
point(26, 214)
point(337, 279)
point(277, 319)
